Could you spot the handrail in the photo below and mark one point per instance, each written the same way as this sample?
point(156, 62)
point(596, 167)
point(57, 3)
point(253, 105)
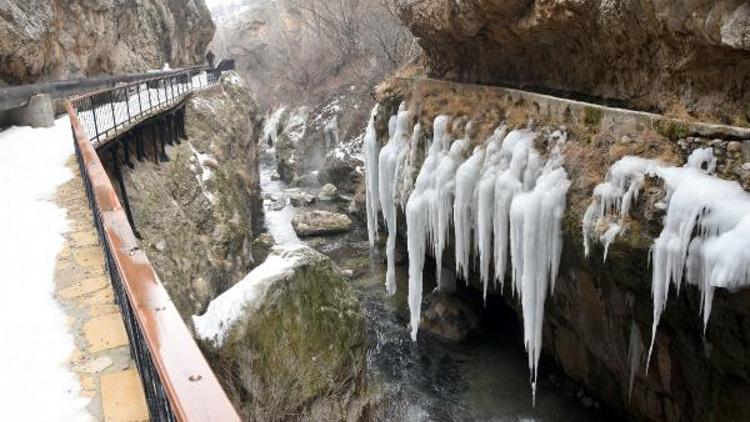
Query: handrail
point(177, 380)
point(18, 95)
point(106, 113)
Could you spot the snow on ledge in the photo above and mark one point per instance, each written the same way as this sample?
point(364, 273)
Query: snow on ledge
point(247, 296)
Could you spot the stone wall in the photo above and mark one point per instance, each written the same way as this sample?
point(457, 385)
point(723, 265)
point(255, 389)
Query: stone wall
point(589, 319)
point(197, 212)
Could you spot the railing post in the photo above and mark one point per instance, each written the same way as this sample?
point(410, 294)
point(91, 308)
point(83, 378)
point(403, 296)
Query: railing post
point(148, 89)
point(140, 106)
point(112, 106)
point(127, 103)
point(96, 126)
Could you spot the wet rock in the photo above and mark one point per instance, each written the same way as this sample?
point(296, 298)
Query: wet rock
point(328, 192)
point(291, 335)
point(306, 180)
point(318, 222)
point(448, 317)
point(301, 199)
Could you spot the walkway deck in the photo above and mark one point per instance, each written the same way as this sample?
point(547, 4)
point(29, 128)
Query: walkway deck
point(107, 374)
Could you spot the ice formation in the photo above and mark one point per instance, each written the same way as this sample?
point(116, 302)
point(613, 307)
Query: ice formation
point(387, 188)
point(485, 192)
point(522, 201)
point(705, 240)
point(503, 189)
point(372, 203)
point(464, 209)
point(613, 198)
point(419, 217)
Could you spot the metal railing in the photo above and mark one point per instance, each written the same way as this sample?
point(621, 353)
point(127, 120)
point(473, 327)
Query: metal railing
point(178, 383)
point(109, 112)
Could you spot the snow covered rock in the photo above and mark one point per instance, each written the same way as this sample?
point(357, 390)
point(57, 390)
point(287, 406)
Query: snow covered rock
point(319, 222)
point(291, 335)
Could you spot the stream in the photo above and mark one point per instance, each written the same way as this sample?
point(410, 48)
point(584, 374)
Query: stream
point(485, 378)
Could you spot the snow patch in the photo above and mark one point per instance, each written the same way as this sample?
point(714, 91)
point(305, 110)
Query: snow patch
point(247, 296)
point(36, 382)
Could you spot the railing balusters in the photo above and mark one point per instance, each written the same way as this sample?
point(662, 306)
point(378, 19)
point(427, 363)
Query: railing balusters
point(177, 381)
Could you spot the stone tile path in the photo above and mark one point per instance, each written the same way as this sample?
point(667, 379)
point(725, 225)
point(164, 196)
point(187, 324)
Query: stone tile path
point(101, 360)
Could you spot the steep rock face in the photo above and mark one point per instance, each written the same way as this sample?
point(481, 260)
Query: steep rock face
point(291, 337)
point(56, 39)
point(196, 212)
point(686, 55)
point(590, 318)
point(325, 138)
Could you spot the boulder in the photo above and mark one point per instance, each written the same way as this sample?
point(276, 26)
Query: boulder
point(318, 222)
point(448, 317)
point(291, 336)
point(301, 199)
point(328, 192)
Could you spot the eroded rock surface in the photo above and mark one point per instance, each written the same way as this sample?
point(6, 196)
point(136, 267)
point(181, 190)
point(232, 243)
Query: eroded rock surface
point(686, 55)
point(291, 335)
point(58, 39)
point(196, 212)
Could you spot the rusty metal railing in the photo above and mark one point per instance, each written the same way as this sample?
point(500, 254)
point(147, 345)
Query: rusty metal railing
point(108, 112)
point(178, 382)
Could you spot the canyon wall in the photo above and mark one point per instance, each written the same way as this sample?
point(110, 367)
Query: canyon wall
point(198, 213)
point(684, 57)
point(44, 40)
point(597, 307)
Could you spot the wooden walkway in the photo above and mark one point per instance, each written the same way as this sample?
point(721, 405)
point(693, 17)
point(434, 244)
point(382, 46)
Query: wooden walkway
point(107, 374)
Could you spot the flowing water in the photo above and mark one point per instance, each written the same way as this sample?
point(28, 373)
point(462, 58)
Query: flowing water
point(485, 378)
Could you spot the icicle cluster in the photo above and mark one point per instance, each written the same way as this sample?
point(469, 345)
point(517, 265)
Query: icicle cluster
point(705, 239)
point(502, 190)
point(706, 236)
point(613, 198)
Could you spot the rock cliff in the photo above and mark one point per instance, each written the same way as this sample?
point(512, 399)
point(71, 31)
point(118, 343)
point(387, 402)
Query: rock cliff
point(196, 212)
point(55, 39)
point(599, 309)
point(686, 56)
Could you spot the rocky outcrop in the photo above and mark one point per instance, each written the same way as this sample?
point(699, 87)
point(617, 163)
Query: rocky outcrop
point(674, 56)
point(290, 339)
point(326, 139)
point(56, 39)
point(597, 308)
point(196, 212)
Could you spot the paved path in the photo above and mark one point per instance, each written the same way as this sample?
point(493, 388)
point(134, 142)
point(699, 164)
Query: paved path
point(101, 360)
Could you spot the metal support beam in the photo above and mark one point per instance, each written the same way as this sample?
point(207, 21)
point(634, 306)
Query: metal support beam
point(126, 144)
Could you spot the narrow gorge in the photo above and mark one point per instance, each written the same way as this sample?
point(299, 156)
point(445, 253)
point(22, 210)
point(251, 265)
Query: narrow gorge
point(431, 210)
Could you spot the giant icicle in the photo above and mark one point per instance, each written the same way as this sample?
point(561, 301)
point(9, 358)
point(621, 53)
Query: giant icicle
point(372, 199)
point(388, 187)
point(418, 218)
point(464, 209)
